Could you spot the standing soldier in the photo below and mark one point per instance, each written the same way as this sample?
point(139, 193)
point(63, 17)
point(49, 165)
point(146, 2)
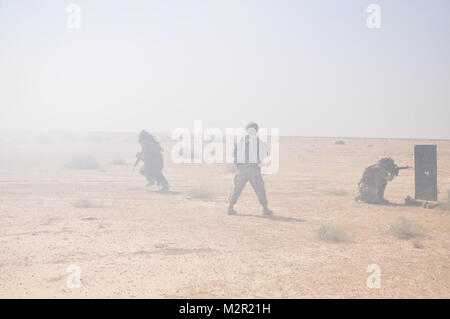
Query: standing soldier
point(248, 154)
point(151, 154)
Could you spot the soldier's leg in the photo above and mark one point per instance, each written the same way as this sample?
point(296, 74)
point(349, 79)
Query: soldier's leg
point(381, 190)
point(368, 194)
point(149, 177)
point(240, 180)
point(360, 196)
point(163, 182)
point(257, 183)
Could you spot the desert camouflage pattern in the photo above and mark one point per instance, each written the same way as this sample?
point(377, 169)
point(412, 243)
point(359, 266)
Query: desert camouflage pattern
point(374, 181)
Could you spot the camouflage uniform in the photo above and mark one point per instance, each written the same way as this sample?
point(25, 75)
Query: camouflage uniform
point(374, 181)
point(151, 154)
point(249, 171)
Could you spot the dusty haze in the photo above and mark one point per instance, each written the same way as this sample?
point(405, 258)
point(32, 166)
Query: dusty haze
point(310, 68)
point(73, 101)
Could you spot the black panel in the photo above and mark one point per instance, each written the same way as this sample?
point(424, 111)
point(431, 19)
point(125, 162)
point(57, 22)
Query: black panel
point(425, 164)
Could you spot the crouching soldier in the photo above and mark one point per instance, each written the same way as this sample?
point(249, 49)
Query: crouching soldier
point(375, 178)
point(248, 154)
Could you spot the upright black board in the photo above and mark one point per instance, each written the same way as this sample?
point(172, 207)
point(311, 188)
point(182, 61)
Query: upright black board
point(425, 171)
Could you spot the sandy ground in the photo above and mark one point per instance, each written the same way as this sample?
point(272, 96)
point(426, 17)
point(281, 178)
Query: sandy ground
point(139, 243)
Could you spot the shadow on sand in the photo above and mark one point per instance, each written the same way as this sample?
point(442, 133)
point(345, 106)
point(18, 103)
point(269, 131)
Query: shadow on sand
point(165, 192)
point(274, 217)
point(387, 203)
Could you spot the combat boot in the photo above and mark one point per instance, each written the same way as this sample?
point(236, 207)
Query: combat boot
point(267, 212)
point(231, 211)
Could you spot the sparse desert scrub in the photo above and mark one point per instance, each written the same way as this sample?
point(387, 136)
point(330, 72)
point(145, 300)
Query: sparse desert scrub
point(18, 140)
point(403, 228)
point(43, 139)
point(417, 244)
point(200, 193)
point(82, 162)
point(333, 234)
point(337, 192)
point(85, 203)
point(119, 161)
point(445, 206)
point(96, 138)
point(340, 142)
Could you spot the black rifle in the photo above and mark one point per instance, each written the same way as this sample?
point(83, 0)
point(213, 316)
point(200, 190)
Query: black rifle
point(398, 168)
point(138, 159)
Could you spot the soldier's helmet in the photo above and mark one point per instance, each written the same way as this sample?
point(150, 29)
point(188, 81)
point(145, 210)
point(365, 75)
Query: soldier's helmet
point(144, 136)
point(387, 163)
point(252, 125)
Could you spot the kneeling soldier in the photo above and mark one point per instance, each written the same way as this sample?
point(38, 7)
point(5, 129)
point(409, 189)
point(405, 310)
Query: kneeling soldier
point(374, 181)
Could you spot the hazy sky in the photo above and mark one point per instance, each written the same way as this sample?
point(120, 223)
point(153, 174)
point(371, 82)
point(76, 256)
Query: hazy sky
point(310, 68)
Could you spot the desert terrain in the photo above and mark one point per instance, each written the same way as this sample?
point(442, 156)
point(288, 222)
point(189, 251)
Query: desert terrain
point(130, 241)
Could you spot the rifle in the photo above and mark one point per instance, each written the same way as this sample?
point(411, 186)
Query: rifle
point(398, 168)
point(138, 159)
